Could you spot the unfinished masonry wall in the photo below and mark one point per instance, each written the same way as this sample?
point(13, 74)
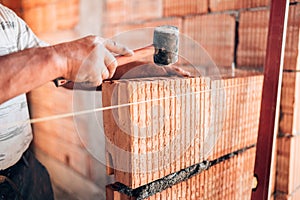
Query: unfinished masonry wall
point(233, 32)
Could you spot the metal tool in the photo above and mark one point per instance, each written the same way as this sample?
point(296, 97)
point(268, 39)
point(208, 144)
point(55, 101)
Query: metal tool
point(164, 50)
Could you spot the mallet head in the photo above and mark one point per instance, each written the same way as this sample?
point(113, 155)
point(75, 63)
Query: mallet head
point(166, 42)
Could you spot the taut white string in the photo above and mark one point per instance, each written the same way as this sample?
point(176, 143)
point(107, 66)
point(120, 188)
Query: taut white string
point(78, 113)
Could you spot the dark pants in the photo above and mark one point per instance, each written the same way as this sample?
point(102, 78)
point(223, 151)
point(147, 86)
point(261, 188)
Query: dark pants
point(28, 179)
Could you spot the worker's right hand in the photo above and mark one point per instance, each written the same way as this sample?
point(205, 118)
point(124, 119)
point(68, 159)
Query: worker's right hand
point(89, 60)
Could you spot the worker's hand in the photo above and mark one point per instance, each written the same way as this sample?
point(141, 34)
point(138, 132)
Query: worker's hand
point(89, 60)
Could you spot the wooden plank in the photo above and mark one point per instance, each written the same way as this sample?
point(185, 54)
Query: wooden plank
point(269, 114)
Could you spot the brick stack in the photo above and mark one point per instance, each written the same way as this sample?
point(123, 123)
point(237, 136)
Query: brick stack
point(197, 120)
point(232, 31)
point(251, 52)
point(46, 15)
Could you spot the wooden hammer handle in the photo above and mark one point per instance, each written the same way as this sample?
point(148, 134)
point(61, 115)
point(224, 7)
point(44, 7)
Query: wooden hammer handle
point(122, 60)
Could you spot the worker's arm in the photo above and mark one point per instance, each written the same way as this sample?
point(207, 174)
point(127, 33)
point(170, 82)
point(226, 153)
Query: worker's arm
point(85, 60)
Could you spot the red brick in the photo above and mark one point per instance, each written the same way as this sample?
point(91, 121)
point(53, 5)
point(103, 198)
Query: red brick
point(47, 16)
point(215, 33)
point(293, 196)
point(120, 11)
point(26, 3)
point(211, 137)
point(71, 155)
point(290, 100)
point(217, 5)
point(292, 39)
point(230, 179)
point(253, 32)
point(182, 8)
point(287, 176)
point(114, 30)
point(67, 14)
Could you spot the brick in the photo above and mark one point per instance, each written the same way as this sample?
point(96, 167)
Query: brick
point(58, 138)
point(68, 154)
point(230, 179)
point(292, 39)
point(67, 14)
point(115, 30)
point(47, 16)
point(290, 103)
point(139, 130)
point(182, 8)
point(294, 196)
point(16, 4)
point(217, 5)
point(287, 173)
point(42, 18)
point(215, 33)
point(121, 11)
point(253, 32)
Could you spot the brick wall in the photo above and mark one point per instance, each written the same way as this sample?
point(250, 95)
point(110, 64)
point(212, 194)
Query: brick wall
point(232, 31)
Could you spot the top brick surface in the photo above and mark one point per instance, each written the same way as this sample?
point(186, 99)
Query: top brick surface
point(181, 8)
point(218, 5)
point(121, 11)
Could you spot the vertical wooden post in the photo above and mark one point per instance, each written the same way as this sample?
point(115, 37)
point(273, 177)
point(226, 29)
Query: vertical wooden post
point(269, 114)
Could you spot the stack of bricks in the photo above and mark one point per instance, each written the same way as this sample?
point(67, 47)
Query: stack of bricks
point(236, 32)
point(179, 136)
point(46, 15)
point(232, 31)
point(288, 141)
point(251, 52)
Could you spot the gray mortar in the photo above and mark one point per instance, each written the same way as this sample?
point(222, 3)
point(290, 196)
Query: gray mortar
point(172, 179)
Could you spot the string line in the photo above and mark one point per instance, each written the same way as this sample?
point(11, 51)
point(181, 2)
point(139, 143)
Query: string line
point(78, 113)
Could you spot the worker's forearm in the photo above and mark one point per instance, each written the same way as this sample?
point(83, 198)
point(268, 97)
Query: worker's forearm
point(25, 70)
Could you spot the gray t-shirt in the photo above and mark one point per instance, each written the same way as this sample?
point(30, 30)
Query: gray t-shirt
point(15, 129)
